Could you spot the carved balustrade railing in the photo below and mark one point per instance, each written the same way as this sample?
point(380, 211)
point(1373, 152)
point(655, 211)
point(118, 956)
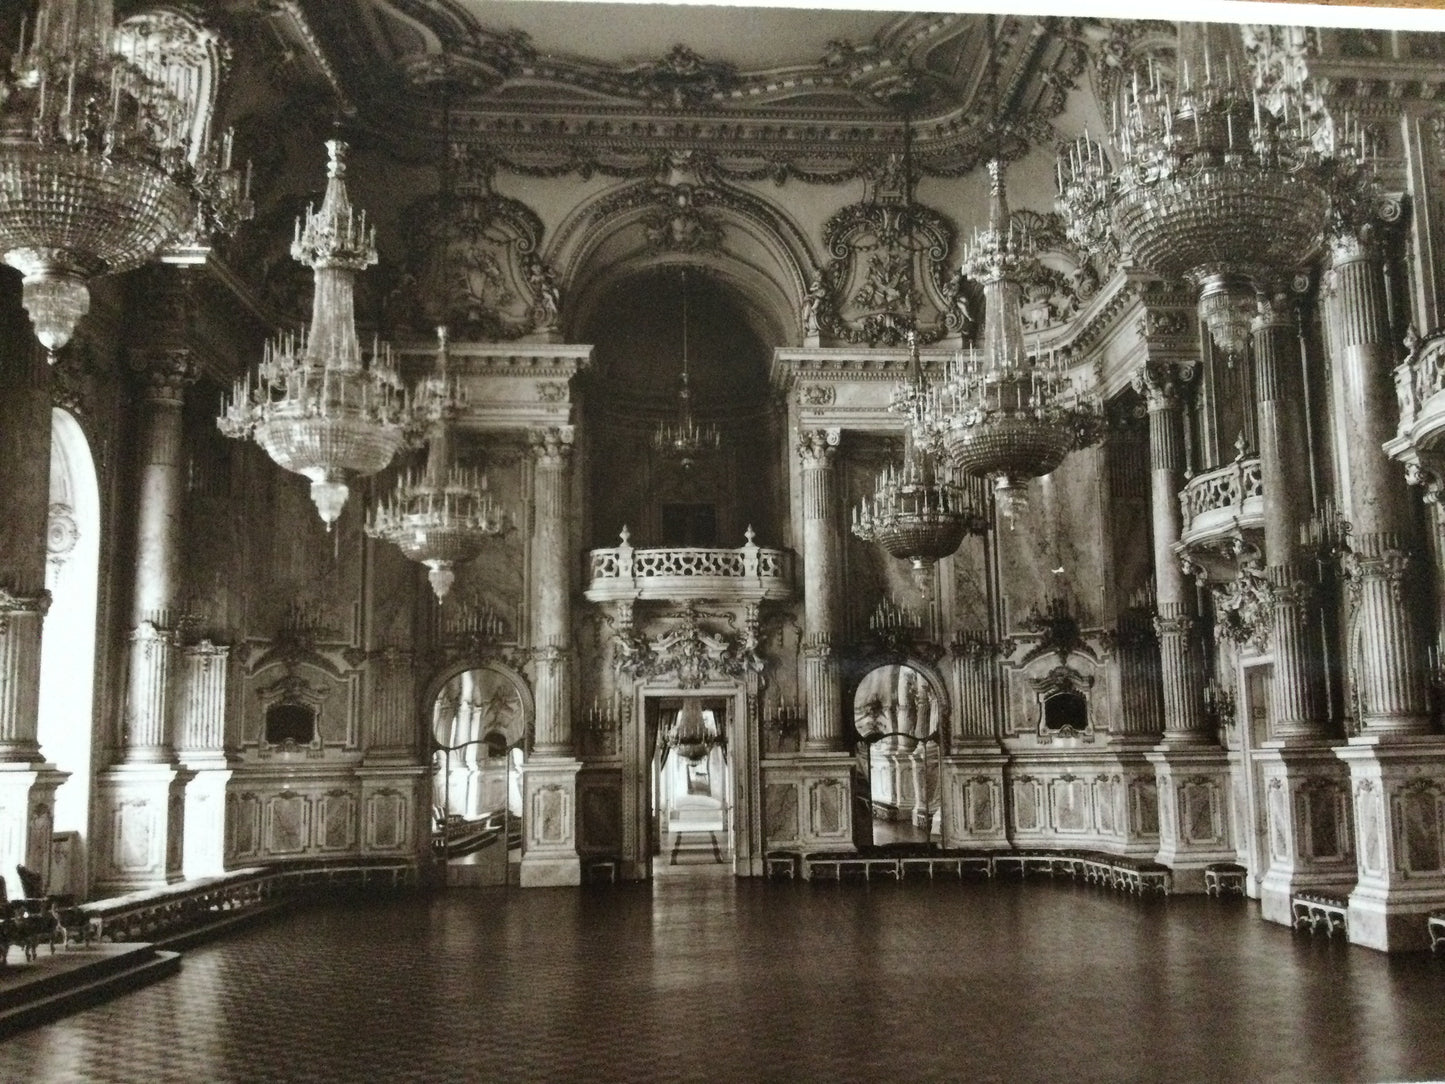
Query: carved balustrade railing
point(1419, 442)
point(681, 573)
point(1223, 517)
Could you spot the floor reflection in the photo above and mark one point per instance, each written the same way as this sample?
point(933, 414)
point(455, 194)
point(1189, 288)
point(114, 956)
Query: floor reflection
point(698, 976)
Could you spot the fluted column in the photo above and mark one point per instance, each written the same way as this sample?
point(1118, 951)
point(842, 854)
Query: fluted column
point(146, 730)
point(816, 450)
point(1175, 622)
point(549, 779)
point(552, 593)
point(1297, 695)
point(25, 493)
point(392, 728)
point(1388, 656)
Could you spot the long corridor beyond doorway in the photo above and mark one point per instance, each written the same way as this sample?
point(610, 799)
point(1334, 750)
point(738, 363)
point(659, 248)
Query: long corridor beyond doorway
point(709, 978)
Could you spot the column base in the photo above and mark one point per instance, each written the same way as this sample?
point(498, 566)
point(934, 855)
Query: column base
point(395, 808)
point(27, 818)
point(1308, 847)
point(203, 830)
point(808, 804)
point(1397, 784)
point(1193, 782)
point(139, 814)
point(972, 796)
point(549, 823)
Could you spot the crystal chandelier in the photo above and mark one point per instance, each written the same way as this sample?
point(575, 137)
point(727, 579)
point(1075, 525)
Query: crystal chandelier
point(1216, 182)
point(443, 517)
point(692, 734)
point(917, 512)
point(314, 406)
point(685, 439)
point(999, 412)
point(98, 166)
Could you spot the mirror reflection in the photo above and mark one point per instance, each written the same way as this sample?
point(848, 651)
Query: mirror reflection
point(897, 718)
point(478, 724)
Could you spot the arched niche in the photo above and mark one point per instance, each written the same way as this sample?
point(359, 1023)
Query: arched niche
point(478, 717)
point(65, 726)
point(898, 712)
point(637, 337)
point(748, 243)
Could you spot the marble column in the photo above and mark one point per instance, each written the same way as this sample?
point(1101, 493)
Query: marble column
point(827, 766)
point(1191, 771)
point(1387, 656)
point(1185, 721)
point(821, 601)
point(549, 813)
point(1301, 777)
point(1394, 759)
point(141, 796)
point(1297, 697)
point(27, 781)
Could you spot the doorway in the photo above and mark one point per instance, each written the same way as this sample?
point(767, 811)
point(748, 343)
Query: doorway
point(897, 722)
point(691, 783)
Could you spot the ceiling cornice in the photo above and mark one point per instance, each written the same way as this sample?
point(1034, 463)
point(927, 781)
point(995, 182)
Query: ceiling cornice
point(821, 120)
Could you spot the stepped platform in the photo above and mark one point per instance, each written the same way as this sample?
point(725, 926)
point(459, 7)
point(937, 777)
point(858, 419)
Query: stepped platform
point(53, 984)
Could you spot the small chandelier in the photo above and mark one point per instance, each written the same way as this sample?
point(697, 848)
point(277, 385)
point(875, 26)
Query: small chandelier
point(917, 513)
point(685, 440)
point(690, 734)
point(97, 170)
point(314, 406)
point(999, 412)
point(1215, 182)
point(443, 517)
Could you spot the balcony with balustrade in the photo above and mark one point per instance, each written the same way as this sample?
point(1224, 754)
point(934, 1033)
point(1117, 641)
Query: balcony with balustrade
point(1419, 442)
point(1223, 517)
point(749, 573)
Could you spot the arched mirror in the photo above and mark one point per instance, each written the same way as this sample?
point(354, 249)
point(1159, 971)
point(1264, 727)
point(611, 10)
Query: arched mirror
point(897, 720)
point(479, 720)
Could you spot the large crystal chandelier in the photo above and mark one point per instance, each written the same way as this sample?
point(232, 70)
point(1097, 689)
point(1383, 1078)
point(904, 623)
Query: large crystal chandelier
point(443, 517)
point(99, 165)
point(314, 406)
point(1226, 178)
point(917, 512)
point(1000, 412)
point(684, 439)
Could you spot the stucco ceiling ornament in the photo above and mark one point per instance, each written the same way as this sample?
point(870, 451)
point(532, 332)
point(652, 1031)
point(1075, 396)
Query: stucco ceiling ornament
point(681, 78)
point(471, 263)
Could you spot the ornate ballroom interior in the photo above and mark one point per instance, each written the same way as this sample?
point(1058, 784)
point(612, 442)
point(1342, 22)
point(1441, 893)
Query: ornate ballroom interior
point(528, 449)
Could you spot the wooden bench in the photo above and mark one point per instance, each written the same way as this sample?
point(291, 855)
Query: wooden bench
point(601, 869)
point(1222, 877)
point(1316, 911)
point(780, 864)
point(1134, 875)
point(1435, 924)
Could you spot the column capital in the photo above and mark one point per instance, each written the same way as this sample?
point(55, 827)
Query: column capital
point(1274, 309)
point(23, 604)
point(165, 374)
point(816, 447)
point(552, 445)
point(1160, 382)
